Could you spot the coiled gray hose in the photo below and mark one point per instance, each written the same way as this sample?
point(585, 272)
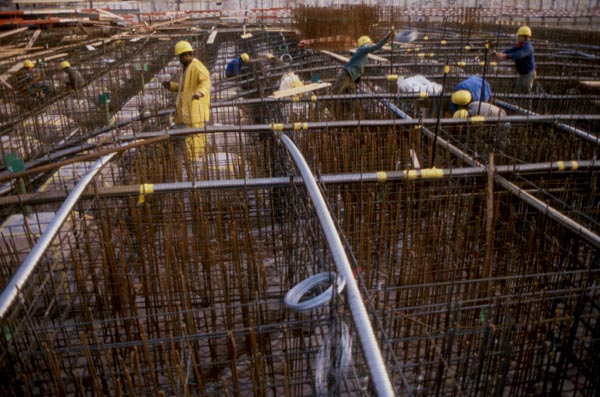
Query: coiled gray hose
point(293, 296)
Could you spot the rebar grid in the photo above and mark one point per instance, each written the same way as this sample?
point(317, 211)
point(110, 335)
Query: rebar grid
point(444, 284)
point(474, 292)
point(177, 270)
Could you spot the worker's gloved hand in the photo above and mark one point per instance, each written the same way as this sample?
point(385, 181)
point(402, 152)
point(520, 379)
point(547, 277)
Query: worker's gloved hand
point(166, 84)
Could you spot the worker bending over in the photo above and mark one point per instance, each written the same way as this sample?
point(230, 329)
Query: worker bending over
point(469, 90)
point(234, 67)
point(192, 106)
point(31, 82)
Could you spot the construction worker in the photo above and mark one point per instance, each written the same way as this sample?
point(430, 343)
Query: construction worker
point(469, 90)
point(234, 67)
point(31, 81)
point(354, 69)
point(522, 54)
point(75, 81)
point(192, 106)
point(489, 111)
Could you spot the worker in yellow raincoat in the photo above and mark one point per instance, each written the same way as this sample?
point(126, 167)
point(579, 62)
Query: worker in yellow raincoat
point(192, 106)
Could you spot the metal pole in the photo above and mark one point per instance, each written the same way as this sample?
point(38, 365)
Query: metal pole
point(368, 341)
point(29, 264)
point(329, 179)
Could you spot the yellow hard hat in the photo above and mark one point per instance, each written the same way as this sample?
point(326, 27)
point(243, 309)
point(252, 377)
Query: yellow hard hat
point(27, 64)
point(362, 40)
point(461, 114)
point(65, 64)
point(245, 57)
point(461, 97)
point(269, 56)
point(297, 83)
point(524, 31)
point(182, 47)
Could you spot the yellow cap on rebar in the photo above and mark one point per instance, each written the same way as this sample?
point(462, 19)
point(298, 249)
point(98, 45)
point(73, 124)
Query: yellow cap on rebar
point(392, 77)
point(477, 119)
point(145, 188)
point(411, 174)
point(447, 69)
point(300, 126)
point(461, 63)
point(432, 173)
point(443, 42)
point(467, 47)
point(276, 126)
point(423, 94)
point(381, 176)
point(313, 98)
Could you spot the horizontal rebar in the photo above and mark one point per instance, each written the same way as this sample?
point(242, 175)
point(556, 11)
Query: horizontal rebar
point(326, 179)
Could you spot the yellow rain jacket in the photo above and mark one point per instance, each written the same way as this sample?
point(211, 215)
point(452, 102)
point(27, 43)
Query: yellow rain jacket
point(195, 79)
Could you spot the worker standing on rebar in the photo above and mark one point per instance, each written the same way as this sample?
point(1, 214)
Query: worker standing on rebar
point(354, 69)
point(192, 106)
point(470, 90)
point(75, 80)
point(234, 67)
point(522, 54)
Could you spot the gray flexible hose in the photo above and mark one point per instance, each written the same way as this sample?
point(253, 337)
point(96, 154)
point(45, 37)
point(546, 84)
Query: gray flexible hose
point(293, 296)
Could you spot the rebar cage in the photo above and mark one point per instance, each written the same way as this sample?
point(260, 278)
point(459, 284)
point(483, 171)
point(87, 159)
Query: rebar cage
point(474, 243)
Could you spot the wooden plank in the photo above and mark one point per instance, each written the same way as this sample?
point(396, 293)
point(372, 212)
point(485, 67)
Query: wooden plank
point(212, 37)
point(48, 11)
point(374, 57)
point(156, 25)
point(11, 32)
point(591, 83)
point(334, 55)
point(13, 69)
point(299, 90)
point(11, 53)
point(56, 56)
point(4, 82)
point(110, 15)
point(83, 30)
point(33, 39)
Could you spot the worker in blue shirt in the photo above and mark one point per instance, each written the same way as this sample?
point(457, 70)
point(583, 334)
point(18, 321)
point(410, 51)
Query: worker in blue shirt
point(469, 90)
point(522, 54)
point(355, 68)
point(234, 67)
